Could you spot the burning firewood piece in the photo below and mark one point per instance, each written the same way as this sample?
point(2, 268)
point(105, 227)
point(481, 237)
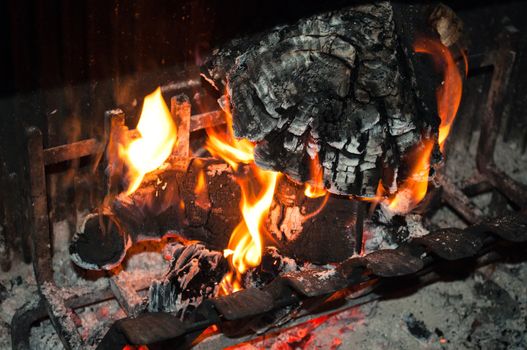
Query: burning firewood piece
point(319, 230)
point(166, 202)
point(333, 87)
point(104, 247)
point(193, 276)
point(203, 203)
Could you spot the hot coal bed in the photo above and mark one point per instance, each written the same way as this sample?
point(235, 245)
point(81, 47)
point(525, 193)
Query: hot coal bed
point(297, 175)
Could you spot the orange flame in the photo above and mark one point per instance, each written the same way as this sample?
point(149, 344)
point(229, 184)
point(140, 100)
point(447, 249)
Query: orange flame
point(413, 190)
point(449, 92)
point(157, 135)
point(200, 183)
point(229, 284)
point(315, 186)
point(223, 144)
point(245, 245)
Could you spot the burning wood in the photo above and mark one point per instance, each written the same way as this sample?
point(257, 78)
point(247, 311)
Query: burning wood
point(193, 276)
point(333, 86)
point(164, 203)
point(183, 200)
point(379, 147)
point(314, 229)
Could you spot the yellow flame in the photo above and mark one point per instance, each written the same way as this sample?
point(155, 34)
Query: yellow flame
point(257, 187)
point(223, 144)
point(414, 188)
point(157, 135)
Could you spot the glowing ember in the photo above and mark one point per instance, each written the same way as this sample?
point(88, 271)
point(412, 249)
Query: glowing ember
point(157, 135)
point(449, 92)
point(257, 188)
point(315, 187)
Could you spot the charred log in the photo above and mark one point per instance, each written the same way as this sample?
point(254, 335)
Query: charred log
point(193, 276)
point(166, 203)
point(319, 230)
point(336, 84)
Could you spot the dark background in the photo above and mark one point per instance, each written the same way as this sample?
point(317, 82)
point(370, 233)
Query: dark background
point(64, 63)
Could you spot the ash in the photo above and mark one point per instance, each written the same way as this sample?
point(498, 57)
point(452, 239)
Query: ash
point(18, 288)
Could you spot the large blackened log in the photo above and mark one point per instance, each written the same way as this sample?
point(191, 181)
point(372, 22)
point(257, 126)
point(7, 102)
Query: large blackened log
point(338, 84)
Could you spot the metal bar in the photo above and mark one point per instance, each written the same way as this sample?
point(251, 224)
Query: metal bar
point(503, 59)
point(180, 110)
point(207, 120)
point(40, 234)
point(41, 244)
point(456, 199)
point(114, 133)
point(125, 294)
point(92, 146)
point(71, 151)
point(35, 311)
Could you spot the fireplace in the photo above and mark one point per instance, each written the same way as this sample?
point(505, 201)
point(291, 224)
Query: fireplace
point(336, 175)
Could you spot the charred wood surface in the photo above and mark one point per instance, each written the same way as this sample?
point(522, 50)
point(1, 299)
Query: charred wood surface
point(193, 276)
point(319, 230)
point(338, 84)
point(166, 202)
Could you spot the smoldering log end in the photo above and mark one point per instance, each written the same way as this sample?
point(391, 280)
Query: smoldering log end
point(101, 244)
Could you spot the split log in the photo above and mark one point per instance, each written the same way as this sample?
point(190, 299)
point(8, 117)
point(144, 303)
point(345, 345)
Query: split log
point(193, 276)
point(320, 230)
point(165, 203)
point(336, 84)
point(317, 230)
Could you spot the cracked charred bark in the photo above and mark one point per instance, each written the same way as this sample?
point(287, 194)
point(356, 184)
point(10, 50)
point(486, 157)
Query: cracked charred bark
point(338, 84)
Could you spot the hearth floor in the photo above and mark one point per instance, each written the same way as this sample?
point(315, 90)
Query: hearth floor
point(486, 310)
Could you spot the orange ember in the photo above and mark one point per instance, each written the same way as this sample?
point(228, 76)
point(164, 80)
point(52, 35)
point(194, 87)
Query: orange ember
point(449, 92)
point(315, 186)
point(257, 188)
point(135, 347)
point(157, 136)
